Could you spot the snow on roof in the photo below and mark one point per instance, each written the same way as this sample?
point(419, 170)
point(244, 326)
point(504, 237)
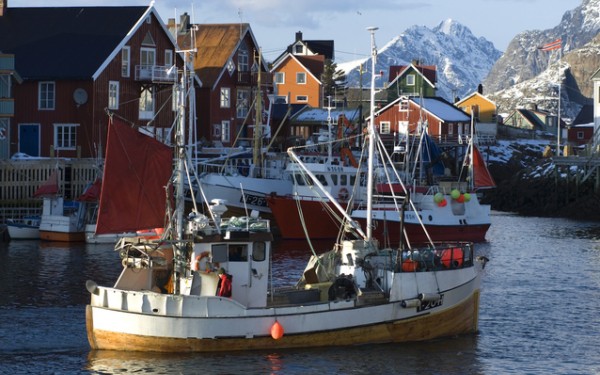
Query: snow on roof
point(321, 115)
point(442, 109)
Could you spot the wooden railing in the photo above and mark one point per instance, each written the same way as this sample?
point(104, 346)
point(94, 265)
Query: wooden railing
point(19, 179)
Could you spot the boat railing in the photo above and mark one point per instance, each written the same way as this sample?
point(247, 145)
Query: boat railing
point(440, 257)
point(245, 223)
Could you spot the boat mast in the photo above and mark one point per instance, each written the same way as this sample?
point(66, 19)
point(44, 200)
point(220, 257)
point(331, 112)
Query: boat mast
point(371, 135)
point(257, 156)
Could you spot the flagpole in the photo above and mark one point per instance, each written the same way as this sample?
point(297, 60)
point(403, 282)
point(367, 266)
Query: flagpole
point(558, 114)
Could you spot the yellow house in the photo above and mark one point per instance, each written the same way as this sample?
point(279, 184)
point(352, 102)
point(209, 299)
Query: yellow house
point(482, 108)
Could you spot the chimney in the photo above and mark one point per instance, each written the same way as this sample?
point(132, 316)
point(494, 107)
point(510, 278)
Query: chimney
point(298, 35)
point(184, 23)
point(480, 89)
point(3, 6)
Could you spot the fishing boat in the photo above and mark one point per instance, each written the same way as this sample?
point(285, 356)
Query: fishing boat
point(26, 228)
point(62, 220)
point(444, 210)
point(170, 296)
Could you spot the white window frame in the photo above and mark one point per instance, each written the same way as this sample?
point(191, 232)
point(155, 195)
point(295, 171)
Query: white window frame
point(384, 127)
point(113, 94)
point(243, 64)
point(580, 134)
point(168, 58)
point(279, 78)
point(403, 127)
point(5, 86)
point(225, 129)
point(46, 95)
point(225, 97)
point(242, 103)
point(403, 106)
point(126, 62)
point(410, 80)
point(147, 57)
point(146, 104)
point(65, 136)
point(216, 133)
point(301, 78)
point(301, 98)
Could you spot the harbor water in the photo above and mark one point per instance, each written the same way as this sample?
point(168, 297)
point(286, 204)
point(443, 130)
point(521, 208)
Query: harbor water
point(539, 313)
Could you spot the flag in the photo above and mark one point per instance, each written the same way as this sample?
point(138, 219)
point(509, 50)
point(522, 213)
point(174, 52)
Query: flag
point(557, 44)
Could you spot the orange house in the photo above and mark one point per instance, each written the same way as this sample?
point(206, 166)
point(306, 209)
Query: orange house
point(297, 79)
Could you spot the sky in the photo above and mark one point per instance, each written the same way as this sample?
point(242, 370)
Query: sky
point(275, 22)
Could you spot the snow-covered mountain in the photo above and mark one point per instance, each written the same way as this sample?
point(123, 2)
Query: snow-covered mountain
point(462, 59)
point(523, 59)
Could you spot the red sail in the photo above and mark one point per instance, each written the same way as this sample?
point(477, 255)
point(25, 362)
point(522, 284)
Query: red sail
point(49, 187)
point(483, 178)
point(136, 171)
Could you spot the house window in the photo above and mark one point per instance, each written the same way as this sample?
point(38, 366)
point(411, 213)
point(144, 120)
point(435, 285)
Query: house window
point(384, 127)
point(225, 131)
point(147, 57)
point(225, 97)
point(410, 80)
point(580, 135)
point(168, 58)
point(47, 95)
point(113, 95)
point(301, 78)
point(279, 78)
point(301, 98)
point(5, 86)
point(65, 136)
point(125, 61)
point(299, 49)
point(146, 104)
point(243, 58)
point(216, 133)
point(403, 107)
point(242, 103)
point(403, 127)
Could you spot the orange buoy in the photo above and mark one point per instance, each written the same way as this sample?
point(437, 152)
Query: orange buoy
point(276, 331)
point(409, 265)
point(452, 257)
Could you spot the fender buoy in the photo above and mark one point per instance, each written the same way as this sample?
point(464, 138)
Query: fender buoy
point(276, 331)
point(452, 258)
point(343, 195)
point(409, 265)
point(202, 255)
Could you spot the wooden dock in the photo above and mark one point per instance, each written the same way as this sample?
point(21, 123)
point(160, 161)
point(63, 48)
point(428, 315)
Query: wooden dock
point(19, 179)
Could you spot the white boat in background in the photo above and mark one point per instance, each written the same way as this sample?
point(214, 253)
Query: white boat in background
point(166, 298)
point(27, 228)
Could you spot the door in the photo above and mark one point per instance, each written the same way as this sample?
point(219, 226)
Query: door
point(29, 139)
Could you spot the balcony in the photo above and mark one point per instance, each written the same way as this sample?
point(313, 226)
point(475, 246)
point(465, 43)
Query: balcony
point(155, 74)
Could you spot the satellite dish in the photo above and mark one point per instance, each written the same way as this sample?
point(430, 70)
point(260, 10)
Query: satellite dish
point(80, 96)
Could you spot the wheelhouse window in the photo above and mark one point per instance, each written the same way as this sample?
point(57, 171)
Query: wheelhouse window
point(65, 136)
point(113, 95)
point(46, 96)
point(5, 86)
point(125, 61)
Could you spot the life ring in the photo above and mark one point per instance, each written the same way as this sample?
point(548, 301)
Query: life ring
point(196, 266)
point(343, 194)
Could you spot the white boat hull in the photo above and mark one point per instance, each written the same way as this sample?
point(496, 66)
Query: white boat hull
point(229, 188)
point(22, 232)
point(149, 321)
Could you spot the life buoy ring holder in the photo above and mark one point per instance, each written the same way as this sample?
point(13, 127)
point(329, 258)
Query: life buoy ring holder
point(343, 194)
point(199, 258)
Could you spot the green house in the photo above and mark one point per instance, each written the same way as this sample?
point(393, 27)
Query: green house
point(411, 80)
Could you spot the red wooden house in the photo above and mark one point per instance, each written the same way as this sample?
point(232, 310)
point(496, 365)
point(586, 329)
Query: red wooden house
point(228, 62)
point(444, 121)
point(77, 63)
